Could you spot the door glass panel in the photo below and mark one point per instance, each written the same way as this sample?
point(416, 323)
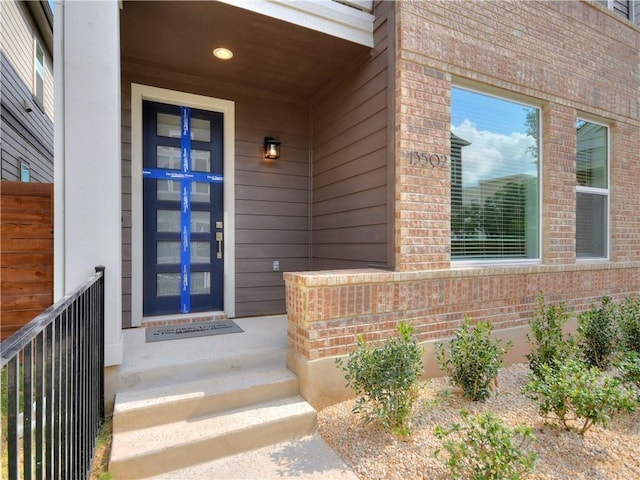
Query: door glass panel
point(168, 252)
point(200, 161)
point(168, 158)
point(200, 192)
point(200, 283)
point(168, 190)
point(200, 221)
point(168, 221)
point(168, 125)
point(167, 284)
point(200, 252)
point(200, 130)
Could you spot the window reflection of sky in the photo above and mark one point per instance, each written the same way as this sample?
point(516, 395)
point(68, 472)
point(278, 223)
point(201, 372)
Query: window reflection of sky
point(488, 113)
point(501, 144)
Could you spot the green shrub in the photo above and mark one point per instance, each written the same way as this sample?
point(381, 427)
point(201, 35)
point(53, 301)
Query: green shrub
point(629, 367)
point(549, 345)
point(597, 334)
point(483, 448)
point(578, 396)
point(629, 324)
point(473, 359)
point(386, 378)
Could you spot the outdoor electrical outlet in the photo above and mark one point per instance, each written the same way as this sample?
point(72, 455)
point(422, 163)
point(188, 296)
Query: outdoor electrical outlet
point(276, 265)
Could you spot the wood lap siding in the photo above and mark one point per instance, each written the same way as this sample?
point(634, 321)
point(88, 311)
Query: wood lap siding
point(272, 202)
point(344, 128)
point(26, 252)
point(272, 198)
point(351, 162)
point(25, 135)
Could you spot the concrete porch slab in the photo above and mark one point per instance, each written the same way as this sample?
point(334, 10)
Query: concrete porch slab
point(262, 339)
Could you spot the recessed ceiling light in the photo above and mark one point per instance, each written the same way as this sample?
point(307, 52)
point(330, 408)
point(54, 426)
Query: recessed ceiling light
point(223, 53)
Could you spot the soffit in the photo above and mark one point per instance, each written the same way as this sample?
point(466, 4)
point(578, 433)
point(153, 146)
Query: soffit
point(269, 54)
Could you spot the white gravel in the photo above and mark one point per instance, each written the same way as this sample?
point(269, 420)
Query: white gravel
point(612, 453)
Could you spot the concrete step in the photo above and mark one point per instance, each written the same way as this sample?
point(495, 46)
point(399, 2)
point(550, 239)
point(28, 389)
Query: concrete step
point(146, 406)
point(159, 449)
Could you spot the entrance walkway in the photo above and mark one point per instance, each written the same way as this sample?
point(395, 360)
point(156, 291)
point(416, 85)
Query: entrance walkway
point(222, 406)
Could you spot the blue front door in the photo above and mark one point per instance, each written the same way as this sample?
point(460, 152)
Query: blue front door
point(183, 212)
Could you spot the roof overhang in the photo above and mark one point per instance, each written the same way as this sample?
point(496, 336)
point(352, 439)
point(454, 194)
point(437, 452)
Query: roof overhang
point(347, 20)
point(270, 54)
point(43, 17)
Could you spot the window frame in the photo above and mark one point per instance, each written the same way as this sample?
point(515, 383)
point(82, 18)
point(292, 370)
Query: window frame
point(24, 171)
point(610, 5)
point(514, 98)
point(605, 192)
point(37, 47)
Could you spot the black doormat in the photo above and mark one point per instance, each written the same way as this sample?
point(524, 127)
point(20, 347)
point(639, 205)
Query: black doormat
point(190, 330)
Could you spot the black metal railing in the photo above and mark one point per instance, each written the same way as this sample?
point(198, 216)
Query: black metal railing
point(53, 388)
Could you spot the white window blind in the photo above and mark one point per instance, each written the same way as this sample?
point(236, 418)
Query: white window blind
point(494, 178)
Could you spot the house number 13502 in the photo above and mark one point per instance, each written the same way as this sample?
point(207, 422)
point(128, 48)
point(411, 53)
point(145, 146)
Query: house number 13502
point(424, 159)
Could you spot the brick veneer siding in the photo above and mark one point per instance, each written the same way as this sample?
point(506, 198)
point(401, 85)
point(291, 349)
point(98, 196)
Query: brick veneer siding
point(561, 56)
point(571, 59)
point(328, 311)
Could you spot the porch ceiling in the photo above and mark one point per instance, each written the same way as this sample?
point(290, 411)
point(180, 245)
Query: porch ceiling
point(269, 54)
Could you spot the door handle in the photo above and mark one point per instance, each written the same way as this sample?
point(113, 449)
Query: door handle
point(219, 240)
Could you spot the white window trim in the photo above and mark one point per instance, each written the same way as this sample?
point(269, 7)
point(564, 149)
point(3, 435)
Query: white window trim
point(454, 263)
point(36, 46)
point(226, 107)
point(599, 191)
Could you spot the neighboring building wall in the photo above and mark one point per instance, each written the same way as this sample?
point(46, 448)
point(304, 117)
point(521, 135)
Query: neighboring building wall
point(272, 199)
point(352, 154)
point(572, 59)
point(26, 136)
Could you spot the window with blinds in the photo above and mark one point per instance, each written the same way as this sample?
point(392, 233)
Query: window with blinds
point(623, 7)
point(495, 187)
point(592, 190)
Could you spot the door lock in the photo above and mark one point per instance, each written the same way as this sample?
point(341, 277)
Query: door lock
point(219, 240)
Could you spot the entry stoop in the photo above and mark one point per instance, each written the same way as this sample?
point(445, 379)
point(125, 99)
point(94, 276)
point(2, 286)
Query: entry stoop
point(235, 396)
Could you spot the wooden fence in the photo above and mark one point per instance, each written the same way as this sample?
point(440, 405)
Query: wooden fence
point(26, 253)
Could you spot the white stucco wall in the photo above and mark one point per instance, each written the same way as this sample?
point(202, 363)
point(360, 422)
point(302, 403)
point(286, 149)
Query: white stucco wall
point(87, 155)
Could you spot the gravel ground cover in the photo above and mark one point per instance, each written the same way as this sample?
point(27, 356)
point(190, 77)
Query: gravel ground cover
point(612, 453)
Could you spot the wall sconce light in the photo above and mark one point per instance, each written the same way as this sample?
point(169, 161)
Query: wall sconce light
point(271, 148)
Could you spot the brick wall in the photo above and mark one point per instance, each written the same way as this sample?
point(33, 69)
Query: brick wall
point(422, 205)
point(572, 59)
point(328, 311)
point(558, 185)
